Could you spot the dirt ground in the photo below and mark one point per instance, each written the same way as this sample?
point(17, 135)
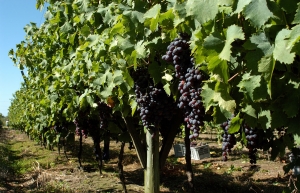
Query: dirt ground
point(25, 166)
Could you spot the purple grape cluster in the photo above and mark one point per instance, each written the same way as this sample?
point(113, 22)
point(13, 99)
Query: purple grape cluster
point(190, 101)
point(252, 142)
point(104, 114)
point(228, 140)
point(154, 104)
point(178, 53)
point(79, 130)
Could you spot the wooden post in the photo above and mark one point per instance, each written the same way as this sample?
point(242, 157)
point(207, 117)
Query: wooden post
point(151, 177)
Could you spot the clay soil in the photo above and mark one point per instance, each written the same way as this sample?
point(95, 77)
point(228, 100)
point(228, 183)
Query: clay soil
point(26, 166)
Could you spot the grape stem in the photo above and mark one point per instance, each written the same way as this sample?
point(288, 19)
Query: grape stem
point(145, 61)
point(233, 76)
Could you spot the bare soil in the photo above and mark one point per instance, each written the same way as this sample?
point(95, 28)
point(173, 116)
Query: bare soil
point(25, 166)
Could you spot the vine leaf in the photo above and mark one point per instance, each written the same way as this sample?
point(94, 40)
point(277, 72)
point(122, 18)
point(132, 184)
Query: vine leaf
point(249, 110)
point(155, 72)
point(233, 32)
point(213, 41)
point(294, 36)
point(266, 66)
point(85, 30)
point(135, 16)
point(297, 16)
point(219, 67)
point(258, 12)
point(92, 39)
point(291, 105)
point(252, 86)
point(202, 10)
point(140, 49)
point(220, 97)
point(66, 27)
point(289, 7)
point(235, 124)
point(262, 43)
point(264, 117)
point(167, 89)
point(281, 52)
point(133, 105)
point(297, 139)
point(241, 4)
point(152, 16)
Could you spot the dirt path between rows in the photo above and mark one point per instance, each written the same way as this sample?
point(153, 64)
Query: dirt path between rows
point(25, 166)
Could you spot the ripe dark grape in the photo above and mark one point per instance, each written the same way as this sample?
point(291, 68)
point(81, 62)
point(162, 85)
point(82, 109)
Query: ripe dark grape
point(104, 114)
point(189, 85)
point(252, 142)
point(154, 104)
point(228, 141)
point(78, 130)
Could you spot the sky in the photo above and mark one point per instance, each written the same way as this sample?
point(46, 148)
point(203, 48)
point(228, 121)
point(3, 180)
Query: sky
point(14, 16)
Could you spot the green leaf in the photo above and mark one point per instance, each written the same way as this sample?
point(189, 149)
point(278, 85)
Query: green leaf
point(233, 32)
point(113, 128)
point(135, 16)
point(107, 91)
point(235, 124)
point(153, 17)
point(153, 12)
point(128, 78)
point(281, 51)
point(207, 95)
point(290, 6)
point(258, 12)
point(297, 17)
point(213, 94)
point(133, 105)
point(133, 59)
point(265, 119)
point(66, 28)
point(118, 77)
point(167, 77)
point(85, 30)
point(213, 41)
point(294, 37)
point(252, 86)
point(219, 67)
point(241, 4)
point(155, 72)
point(167, 89)
point(262, 43)
point(266, 66)
point(124, 43)
point(140, 49)
point(291, 105)
point(297, 139)
point(225, 2)
point(202, 10)
point(72, 38)
point(249, 110)
point(92, 40)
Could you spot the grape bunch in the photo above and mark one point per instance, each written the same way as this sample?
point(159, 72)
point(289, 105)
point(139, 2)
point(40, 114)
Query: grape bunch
point(104, 114)
point(228, 141)
point(154, 104)
point(79, 129)
point(190, 83)
point(252, 142)
point(178, 53)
